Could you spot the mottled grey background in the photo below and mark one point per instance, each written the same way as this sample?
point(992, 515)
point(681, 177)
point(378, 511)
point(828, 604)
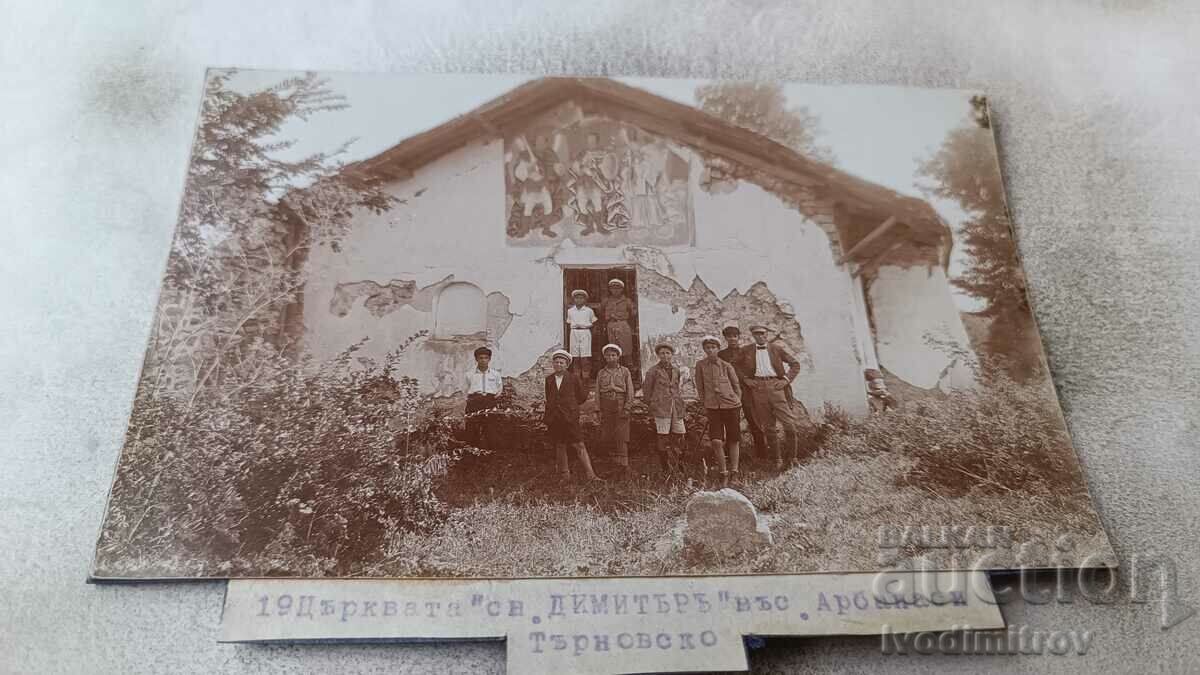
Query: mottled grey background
point(1097, 106)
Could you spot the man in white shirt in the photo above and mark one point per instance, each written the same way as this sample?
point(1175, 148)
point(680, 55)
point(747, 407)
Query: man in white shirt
point(484, 385)
point(769, 370)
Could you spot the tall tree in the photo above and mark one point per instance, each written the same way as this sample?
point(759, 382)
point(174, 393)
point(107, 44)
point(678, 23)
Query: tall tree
point(763, 108)
point(247, 220)
point(964, 169)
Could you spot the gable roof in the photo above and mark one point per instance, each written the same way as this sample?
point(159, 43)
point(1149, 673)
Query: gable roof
point(878, 208)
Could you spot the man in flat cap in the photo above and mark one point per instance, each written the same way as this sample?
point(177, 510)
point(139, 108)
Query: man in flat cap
point(769, 370)
point(733, 355)
point(564, 394)
point(484, 385)
point(662, 390)
point(719, 389)
point(618, 312)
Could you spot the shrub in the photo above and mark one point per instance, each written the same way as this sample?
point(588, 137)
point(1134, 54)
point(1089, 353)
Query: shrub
point(1000, 438)
point(299, 458)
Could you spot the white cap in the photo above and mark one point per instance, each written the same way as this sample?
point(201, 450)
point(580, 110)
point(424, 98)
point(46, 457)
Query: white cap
point(612, 346)
point(710, 338)
point(562, 352)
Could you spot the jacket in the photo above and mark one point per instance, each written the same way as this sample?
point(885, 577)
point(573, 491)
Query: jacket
point(663, 393)
point(779, 357)
point(563, 403)
point(717, 384)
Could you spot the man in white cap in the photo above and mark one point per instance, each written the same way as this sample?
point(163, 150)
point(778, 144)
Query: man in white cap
point(614, 396)
point(769, 370)
point(564, 394)
point(662, 390)
point(720, 392)
point(618, 313)
point(580, 318)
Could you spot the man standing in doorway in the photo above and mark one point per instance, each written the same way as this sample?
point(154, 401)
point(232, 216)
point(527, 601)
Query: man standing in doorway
point(769, 370)
point(732, 354)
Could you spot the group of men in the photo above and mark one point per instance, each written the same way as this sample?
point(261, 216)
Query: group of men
point(751, 381)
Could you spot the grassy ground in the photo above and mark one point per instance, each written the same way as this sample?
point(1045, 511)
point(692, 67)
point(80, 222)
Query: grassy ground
point(512, 517)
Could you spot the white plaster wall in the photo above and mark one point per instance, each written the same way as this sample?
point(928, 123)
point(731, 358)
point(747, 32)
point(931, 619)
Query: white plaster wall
point(455, 229)
point(749, 235)
point(912, 306)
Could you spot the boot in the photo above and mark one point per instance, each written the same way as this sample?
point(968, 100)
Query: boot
point(664, 461)
point(585, 461)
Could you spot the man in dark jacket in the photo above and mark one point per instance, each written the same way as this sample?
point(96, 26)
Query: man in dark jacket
point(768, 370)
point(564, 394)
point(733, 354)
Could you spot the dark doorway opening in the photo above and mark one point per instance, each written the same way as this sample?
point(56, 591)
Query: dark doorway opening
point(595, 280)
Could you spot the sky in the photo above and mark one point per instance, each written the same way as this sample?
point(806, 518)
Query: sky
point(878, 133)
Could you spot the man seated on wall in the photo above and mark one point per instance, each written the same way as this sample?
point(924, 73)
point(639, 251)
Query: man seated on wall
point(880, 399)
point(484, 387)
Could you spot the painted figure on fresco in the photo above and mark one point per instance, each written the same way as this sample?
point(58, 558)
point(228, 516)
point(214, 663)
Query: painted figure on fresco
point(535, 174)
point(589, 178)
point(595, 188)
point(618, 312)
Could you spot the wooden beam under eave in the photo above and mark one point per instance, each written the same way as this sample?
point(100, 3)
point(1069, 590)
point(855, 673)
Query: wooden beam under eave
point(870, 264)
point(869, 239)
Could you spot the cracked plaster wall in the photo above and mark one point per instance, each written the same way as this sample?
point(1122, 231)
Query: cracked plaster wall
point(755, 258)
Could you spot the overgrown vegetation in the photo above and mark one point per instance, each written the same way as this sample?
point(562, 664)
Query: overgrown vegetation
point(301, 469)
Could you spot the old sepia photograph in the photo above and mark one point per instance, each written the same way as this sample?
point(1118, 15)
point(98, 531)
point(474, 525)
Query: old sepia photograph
point(510, 327)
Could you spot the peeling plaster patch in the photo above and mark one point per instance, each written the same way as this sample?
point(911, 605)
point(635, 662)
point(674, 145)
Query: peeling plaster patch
point(650, 258)
point(704, 313)
point(499, 317)
point(381, 300)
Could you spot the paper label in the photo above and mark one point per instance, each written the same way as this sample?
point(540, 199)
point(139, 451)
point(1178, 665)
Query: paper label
point(609, 625)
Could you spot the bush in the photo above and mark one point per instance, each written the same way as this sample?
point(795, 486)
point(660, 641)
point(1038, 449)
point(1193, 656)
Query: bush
point(1000, 438)
point(298, 462)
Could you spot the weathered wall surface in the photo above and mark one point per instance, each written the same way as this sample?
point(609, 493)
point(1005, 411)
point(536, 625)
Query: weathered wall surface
point(748, 235)
point(755, 259)
point(919, 335)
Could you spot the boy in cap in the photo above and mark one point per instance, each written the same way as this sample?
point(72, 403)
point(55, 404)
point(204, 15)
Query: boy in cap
point(580, 318)
point(720, 393)
point(769, 370)
point(564, 394)
point(484, 385)
point(663, 393)
point(618, 312)
point(614, 396)
point(732, 354)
